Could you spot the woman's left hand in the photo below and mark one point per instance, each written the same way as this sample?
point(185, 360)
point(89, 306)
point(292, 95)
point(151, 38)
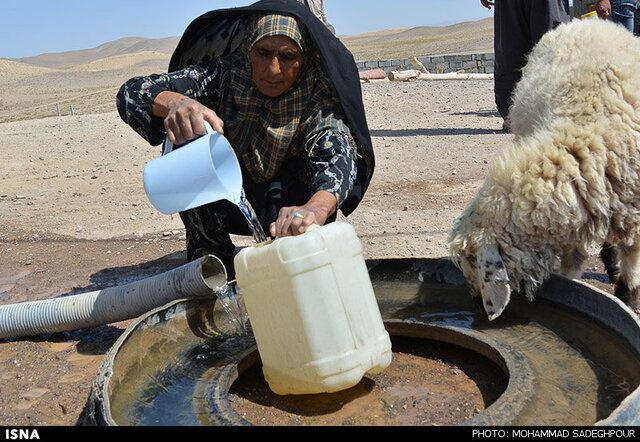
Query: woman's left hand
point(294, 221)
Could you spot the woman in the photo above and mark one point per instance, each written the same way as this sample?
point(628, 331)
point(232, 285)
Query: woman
point(286, 94)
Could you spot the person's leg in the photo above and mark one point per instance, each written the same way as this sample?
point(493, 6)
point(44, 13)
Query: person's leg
point(208, 231)
point(546, 15)
point(628, 286)
point(512, 43)
point(623, 12)
point(611, 259)
point(520, 24)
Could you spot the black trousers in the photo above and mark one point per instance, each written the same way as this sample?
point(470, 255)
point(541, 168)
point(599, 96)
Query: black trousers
point(209, 227)
point(519, 25)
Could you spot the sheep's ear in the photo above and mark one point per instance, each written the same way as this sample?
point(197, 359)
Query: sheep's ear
point(494, 281)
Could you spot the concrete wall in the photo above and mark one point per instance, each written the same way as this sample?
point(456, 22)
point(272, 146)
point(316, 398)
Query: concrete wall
point(470, 63)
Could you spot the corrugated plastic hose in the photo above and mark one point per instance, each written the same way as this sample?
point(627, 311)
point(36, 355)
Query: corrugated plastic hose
point(198, 279)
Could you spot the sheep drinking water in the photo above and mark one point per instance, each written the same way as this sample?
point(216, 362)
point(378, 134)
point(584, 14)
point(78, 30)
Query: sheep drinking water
point(570, 180)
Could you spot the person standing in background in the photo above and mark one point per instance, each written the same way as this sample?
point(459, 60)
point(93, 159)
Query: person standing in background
point(317, 7)
point(619, 11)
point(519, 25)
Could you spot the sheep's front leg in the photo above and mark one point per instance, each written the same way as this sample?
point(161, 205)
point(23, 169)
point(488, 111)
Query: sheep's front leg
point(610, 258)
point(572, 262)
point(628, 288)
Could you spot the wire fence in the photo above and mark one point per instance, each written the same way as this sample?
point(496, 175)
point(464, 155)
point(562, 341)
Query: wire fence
point(92, 103)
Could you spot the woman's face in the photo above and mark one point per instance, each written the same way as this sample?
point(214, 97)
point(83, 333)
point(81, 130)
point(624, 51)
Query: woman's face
point(276, 62)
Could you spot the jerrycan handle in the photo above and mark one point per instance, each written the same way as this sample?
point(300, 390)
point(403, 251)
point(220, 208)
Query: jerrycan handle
point(168, 145)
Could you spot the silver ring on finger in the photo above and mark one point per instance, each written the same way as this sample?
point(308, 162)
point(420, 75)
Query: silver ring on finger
point(298, 215)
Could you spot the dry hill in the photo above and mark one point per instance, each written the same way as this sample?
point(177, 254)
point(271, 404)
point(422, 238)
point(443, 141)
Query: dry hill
point(401, 43)
point(87, 80)
point(15, 70)
point(31, 91)
point(123, 46)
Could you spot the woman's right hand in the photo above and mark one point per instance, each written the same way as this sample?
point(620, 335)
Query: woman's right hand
point(185, 117)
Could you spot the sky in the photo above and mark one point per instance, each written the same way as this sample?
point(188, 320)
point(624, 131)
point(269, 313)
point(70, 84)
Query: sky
point(32, 27)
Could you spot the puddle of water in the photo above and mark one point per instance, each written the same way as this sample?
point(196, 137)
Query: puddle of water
point(167, 396)
point(7, 283)
point(456, 319)
point(10, 281)
point(582, 370)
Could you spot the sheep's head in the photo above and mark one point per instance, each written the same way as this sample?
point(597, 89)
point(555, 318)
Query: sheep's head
point(482, 266)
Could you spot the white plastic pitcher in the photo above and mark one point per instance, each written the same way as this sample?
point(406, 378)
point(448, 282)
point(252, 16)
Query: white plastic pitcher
point(313, 311)
point(202, 172)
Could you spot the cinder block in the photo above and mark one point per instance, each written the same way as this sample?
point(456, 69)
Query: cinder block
point(460, 58)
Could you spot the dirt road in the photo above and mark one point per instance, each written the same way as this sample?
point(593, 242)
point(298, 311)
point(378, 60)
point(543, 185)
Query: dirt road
point(74, 217)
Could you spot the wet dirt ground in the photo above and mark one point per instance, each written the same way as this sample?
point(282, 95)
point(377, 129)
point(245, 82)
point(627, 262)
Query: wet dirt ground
point(428, 383)
point(74, 218)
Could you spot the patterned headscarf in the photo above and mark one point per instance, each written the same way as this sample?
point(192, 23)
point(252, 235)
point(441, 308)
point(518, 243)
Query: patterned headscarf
point(274, 25)
point(266, 131)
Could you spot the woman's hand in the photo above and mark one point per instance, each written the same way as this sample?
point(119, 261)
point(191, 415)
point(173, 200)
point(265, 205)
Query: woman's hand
point(184, 117)
point(294, 221)
point(603, 8)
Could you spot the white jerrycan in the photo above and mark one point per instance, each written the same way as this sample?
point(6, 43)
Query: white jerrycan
point(313, 311)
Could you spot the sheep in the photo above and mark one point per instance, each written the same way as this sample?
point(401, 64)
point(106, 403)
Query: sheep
point(570, 179)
